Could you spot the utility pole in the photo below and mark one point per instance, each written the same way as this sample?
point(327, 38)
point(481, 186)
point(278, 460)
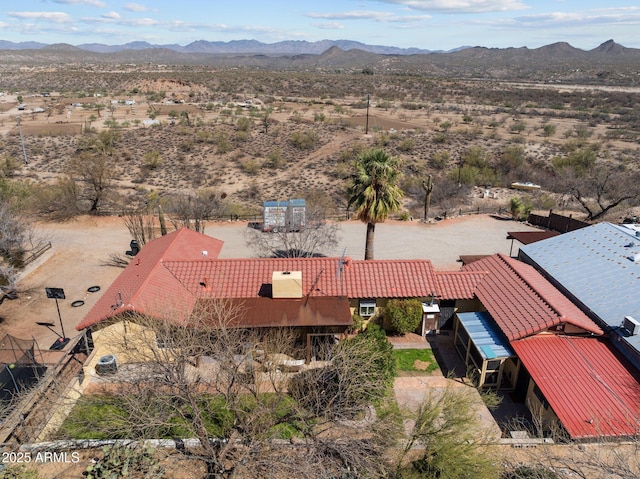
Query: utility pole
point(24, 152)
point(427, 185)
point(366, 128)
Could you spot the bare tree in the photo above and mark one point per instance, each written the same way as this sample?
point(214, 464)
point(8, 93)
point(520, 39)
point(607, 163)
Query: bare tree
point(603, 189)
point(95, 174)
point(203, 378)
point(599, 458)
point(17, 239)
point(191, 210)
point(316, 238)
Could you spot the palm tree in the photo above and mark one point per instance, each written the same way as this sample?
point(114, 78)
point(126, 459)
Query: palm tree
point(374, 192)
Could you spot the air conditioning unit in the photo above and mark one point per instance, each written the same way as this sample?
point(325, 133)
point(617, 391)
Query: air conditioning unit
point(107, 364)
point(631, 325)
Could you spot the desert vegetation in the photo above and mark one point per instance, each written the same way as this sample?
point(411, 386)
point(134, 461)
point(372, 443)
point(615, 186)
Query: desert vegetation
point(251, 135)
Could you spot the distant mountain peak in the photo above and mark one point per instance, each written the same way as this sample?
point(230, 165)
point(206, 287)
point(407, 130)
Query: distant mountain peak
point(610, 47)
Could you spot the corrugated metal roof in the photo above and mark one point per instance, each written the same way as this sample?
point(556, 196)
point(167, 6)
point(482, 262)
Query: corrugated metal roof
point(593, 265)
point(521, 301)
point(592, 389)
point(487, 337)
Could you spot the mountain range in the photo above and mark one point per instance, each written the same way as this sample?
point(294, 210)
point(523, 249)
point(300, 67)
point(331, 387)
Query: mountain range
point(609, 63)
point(291, 47)
point(297, 47)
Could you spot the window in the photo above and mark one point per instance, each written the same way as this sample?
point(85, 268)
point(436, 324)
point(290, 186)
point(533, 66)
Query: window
point(367, 307)
point(538, 394)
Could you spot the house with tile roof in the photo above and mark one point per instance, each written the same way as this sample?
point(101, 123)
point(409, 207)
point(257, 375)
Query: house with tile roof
point(598, 267)
point(179, 274)
point(553, 355)
point(517, 302)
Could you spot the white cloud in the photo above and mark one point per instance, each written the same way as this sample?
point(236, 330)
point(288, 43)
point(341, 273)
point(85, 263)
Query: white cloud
point(574, 19)
point(136, 7)
point(329, 26)
point(93, 3)
point(460, 6)
point(142, 22)
point(369, 15)
point(111, 16)
point(53, 17)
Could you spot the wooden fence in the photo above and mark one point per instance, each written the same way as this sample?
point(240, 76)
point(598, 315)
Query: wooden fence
point(555, 222)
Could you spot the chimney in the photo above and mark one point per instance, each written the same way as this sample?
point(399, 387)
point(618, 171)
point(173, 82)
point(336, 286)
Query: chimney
point(286, 284)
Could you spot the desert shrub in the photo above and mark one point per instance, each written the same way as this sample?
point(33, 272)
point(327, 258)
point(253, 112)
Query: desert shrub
point(404, 314)
point(250, 166)
point(580, 161)
point(511, 158)
point(518, 127)
point(121, 461)
point(152, 160)
point(203, 136)
point(530, 472)
point(319, 117)
point(440, 138)
point(548, 129)
point(242, 136)
point(223, 145)
point(8, 166)
point(408, 144)
point(520, 208)
point(243, 124)
point(304, 140)
point(19, 472)
point(186, 146)
point(475, 156)
point(404, 216)
point(544, 202)
point(440, 159)
point(275, 159)
point(383, 139)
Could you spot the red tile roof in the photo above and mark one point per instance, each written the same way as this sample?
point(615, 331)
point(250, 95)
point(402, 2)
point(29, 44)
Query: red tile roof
point(588, 384)
point(145, 285)
point(243, 278)
point(171, 274)
point(458, 284)
point(522, 301)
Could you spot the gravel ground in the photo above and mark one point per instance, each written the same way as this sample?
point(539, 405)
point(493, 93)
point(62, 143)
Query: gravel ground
point(80, 247)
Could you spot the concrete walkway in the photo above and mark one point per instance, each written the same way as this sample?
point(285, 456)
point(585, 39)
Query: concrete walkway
point(411, 392)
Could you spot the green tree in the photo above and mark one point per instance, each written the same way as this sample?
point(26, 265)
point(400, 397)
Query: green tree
point(405, 314)
point(374, 192)
point(452, 439)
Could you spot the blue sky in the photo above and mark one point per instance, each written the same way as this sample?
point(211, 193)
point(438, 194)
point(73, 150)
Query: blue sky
point(429, 24)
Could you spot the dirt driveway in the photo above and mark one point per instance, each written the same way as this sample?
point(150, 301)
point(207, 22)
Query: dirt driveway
point(80, 247)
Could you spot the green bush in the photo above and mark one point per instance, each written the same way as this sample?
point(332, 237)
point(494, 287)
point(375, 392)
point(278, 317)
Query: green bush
point(530, 472)
point(404, 314)
point(121, 461)
point(304, 140)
